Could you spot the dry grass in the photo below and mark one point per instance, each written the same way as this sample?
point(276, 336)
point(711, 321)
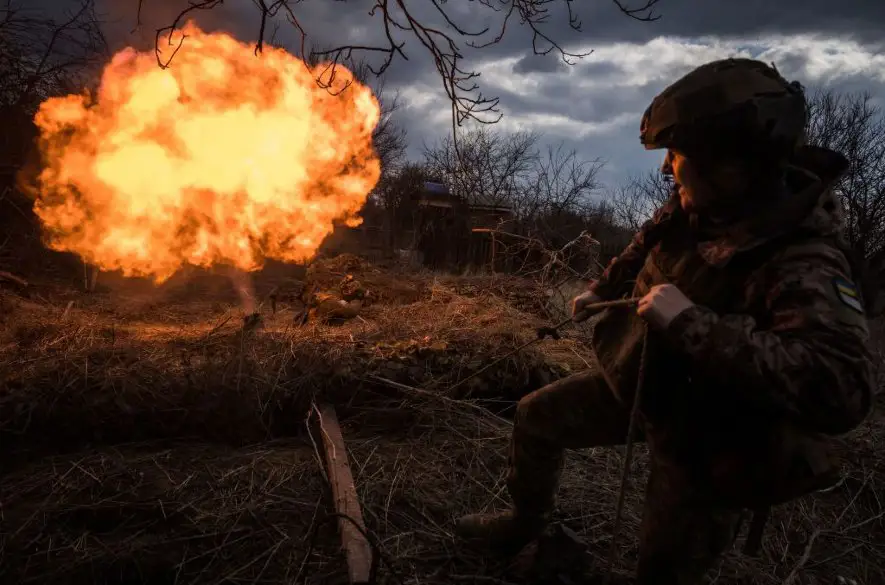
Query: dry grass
point(149, 439)
point(120, 368)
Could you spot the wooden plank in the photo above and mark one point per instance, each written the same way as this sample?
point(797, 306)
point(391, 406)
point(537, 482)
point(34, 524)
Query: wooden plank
point(356, 547)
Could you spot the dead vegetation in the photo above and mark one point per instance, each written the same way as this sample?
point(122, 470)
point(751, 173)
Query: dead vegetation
point(149, 438)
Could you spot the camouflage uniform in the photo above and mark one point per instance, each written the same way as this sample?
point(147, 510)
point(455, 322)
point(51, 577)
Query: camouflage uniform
point(739, 391)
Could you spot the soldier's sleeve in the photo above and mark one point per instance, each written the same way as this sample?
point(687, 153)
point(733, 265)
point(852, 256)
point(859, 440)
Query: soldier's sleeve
point(624, 268)
point(811, 361)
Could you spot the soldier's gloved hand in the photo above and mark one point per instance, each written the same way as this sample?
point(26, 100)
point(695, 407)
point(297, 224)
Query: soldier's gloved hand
point(662, 304)
point(580, 304)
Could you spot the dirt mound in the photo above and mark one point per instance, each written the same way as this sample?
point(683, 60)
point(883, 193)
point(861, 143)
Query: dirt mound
point(95, 387)
point(114, 368)
point(385, 285)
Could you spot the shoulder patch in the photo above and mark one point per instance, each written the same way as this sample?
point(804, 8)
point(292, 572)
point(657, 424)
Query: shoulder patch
point(848, 294)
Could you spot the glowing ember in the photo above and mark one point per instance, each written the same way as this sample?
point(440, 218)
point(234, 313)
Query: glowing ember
point(223, 157)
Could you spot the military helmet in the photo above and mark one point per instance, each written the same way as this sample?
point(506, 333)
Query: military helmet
point(730, 105)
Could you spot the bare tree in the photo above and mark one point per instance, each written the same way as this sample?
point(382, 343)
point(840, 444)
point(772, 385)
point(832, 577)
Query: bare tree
point(442, 38)
point(388, 136)
point(853, 125)
point(633, 203)
point(41, 56)
point(601, 220)
point(485, 166)
point(559, 182)
point(549, 193)
point(554, 205)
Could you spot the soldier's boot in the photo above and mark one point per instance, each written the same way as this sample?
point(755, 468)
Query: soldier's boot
point(505, 532)
point(535, 468)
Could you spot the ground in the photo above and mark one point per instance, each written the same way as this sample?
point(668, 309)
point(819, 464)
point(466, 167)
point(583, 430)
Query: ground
point(148, 437)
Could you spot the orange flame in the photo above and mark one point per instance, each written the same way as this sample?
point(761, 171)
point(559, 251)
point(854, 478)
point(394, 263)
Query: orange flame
point(223, 157)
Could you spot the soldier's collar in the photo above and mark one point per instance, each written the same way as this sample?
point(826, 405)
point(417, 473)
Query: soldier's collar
point(783, 213)
point(803, 202)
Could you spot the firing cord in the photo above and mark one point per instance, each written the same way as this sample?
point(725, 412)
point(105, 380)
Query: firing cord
point(628, 458)
point(544, 332)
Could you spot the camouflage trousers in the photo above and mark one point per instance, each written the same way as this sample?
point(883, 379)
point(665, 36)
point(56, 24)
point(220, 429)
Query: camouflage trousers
point(682, 534)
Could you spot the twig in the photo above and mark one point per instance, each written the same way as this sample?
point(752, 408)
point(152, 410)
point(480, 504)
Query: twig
point(806, 554)
point(437, 396)
point(398, 19)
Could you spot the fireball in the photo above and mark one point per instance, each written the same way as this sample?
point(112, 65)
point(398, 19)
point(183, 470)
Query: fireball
point(224, 157)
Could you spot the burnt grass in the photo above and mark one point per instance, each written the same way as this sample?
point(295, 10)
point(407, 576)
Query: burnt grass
point(147, 437)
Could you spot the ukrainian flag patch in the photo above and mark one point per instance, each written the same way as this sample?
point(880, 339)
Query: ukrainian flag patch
point(848, 294)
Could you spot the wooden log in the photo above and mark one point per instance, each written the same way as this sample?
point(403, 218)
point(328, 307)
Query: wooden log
point(356, 547)
point(13, 279)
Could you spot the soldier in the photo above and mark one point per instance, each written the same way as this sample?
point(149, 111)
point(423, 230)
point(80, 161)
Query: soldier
point(332, 305)
point(757, 336)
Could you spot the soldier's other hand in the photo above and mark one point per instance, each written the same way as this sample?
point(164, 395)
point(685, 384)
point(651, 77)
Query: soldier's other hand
point(580, 304)
point(662, 304)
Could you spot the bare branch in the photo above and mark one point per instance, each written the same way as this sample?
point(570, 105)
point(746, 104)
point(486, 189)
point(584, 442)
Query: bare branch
point(634, 203)
point(560, 183)
point(484, 166)
point(400, 23)
point(644, 13)
point(169, 30)
point(552, 266)
point(40, 56)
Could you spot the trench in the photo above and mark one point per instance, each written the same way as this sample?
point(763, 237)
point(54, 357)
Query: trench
point(143, 443)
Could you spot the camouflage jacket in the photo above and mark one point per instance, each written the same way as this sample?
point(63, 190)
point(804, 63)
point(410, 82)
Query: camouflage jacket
point(778, 332)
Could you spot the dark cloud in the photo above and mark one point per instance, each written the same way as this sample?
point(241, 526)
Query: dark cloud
point(601, 21)
point(594, 106)
point(562, 97)
point(533, 63)
point(331, 23)
point(864, 19)
point(341, 22)
point(599, 69)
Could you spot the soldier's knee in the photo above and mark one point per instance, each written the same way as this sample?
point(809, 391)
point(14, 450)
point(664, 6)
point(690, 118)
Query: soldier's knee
point(526, 410)
point(547, 409)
